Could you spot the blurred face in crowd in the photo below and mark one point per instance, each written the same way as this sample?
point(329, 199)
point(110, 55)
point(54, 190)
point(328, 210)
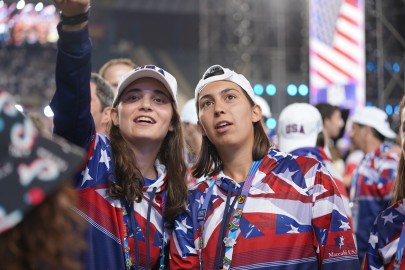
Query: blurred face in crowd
point(358, 134)
point(226, 116)
point(101, 117)
point(144, 112)
point(114, 73)
point(334, 124)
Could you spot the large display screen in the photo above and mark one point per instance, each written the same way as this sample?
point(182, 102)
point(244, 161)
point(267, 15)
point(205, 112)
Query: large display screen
point(22, 24)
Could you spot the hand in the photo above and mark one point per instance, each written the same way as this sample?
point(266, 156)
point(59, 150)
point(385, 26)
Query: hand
point(71, 8)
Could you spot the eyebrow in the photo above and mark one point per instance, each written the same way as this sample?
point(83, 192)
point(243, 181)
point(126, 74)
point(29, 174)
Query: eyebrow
point(224, 91)
point(137, 90)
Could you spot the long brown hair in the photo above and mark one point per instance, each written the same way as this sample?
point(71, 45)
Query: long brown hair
point(399, 186)
point(49, 237)
point(129, 180)
point(209, 162)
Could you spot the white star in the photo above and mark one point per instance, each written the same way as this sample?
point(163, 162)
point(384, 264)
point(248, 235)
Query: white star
point(345, 225)
point(182, 225)
point(288, 174)
point(105, 158)
point(279, 153)
point(390, 217)
point(373, 268)
point(86, 176)
point(293, 229)
point(373, 239)
point(200, 201)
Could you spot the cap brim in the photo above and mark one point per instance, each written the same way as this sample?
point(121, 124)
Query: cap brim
point(142, 73)
point(288, 145)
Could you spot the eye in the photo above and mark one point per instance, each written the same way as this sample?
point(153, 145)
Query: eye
point(161, 99)
point(205, 103)
point(230, 97)
point(130, 97)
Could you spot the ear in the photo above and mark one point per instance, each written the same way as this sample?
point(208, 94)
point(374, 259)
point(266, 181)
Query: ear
point(114, 116)
point(256, 113)
point(106, 115)
point(201, 128)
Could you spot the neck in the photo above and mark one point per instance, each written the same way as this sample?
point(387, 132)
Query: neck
point(145, 157)
point(237, 164)
point(372, 145)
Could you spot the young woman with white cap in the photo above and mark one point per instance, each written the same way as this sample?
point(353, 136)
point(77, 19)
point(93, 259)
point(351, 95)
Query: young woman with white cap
point(258, 208)
point(133, 184)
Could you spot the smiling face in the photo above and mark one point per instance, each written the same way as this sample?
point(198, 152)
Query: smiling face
point(226, 116)
point(144, 112)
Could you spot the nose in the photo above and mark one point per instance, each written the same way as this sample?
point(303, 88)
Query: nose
point(146, 103)
point(218, 109)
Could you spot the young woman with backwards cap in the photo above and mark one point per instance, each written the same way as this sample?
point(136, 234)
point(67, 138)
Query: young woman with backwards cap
point(133, 184)
point(258, 208)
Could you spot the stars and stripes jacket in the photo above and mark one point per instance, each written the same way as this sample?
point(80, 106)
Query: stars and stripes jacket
point(320, 154)
point(384, 238)
point(371, 192)
point(107, 232)
point(294, 218)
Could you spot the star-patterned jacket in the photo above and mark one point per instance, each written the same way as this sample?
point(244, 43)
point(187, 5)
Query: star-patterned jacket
point(384, 238)
point(109, 246)
point(294, 218)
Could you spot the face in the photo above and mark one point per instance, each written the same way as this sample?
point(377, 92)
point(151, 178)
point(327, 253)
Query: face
point(226, 116)
point(114, 73)
point(333, 125)
point(357, 135)
point(144, 112)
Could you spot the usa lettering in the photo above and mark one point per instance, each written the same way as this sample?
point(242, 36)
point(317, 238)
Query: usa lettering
point(294, 128)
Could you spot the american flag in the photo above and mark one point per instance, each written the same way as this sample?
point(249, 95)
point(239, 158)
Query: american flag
point(337, 51)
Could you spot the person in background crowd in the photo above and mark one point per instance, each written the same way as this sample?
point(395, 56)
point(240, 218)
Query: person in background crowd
point(102, 97)
point(371, 185)
point(113, 70)
point(258, 208)
point(332, 125)
point(266, 114)
point(299, 126)
point(133, 184)
point(38, 228)
point(192, 135)
point(387, 235)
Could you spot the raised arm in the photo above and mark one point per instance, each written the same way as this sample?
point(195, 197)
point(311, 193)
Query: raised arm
point(71, 102)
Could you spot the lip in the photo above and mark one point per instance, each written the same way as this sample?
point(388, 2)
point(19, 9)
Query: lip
point(222, 126)
point(145, 119)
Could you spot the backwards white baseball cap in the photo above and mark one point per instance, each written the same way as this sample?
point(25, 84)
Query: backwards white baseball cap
point(189, 112)
point(148, 71)
point(298, 126)
point(375, 118)
point(218, 73)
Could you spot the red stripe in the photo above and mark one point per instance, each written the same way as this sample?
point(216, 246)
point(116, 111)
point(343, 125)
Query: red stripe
point(344, 54)
point(353, 3)
point(322, 76)
point(347, 37)
point(344, 72)
point(348, 19)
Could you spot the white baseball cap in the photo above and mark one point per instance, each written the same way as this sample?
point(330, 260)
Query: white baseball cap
point(298, 126)
point(148, 71)
point(375, 118)
point(218, 73)
point(189, 112)
point(266, 112)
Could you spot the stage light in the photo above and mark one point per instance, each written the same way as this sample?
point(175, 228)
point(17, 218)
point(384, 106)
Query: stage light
point(258, 89)
point(271, 123)
point(292, 90)
point(271, 89)
point(396, 67)
point(48, 111)
point(19, 107)
point(303, 90)
point(388, 109)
